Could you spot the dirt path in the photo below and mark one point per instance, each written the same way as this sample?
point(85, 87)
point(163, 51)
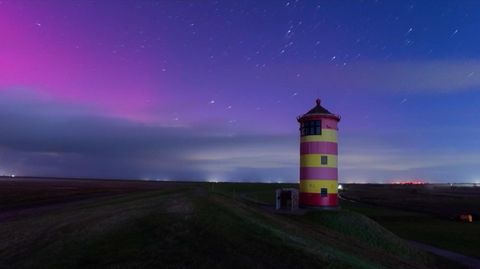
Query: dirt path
point(471, 262)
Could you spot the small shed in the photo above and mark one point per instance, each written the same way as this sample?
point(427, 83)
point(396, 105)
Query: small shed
point(286, 199)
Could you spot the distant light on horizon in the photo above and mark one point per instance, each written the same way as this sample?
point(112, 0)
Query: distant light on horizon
point(409, 182)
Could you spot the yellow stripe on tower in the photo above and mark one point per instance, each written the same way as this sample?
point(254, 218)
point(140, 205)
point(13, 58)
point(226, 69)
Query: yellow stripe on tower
point(328, 135)
point(314, 186)
point(315, 160)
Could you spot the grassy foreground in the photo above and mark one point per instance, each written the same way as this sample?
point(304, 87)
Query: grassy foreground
point(426, 226)
point(193, 226)
point(433, 230)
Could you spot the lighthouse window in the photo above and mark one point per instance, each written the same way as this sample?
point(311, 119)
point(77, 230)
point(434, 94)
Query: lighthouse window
point(323, 192)
point(311, 128)
point(324, 160)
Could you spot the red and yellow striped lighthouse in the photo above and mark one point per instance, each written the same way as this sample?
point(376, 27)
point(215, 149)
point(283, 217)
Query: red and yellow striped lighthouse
point(318, 158)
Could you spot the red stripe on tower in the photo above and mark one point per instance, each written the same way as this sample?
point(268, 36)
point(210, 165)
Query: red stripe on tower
point(318, 148)
point(318, 173)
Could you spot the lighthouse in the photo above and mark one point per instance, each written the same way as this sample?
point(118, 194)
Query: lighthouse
point(318, 158)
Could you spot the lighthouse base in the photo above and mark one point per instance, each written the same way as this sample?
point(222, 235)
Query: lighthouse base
point(316, 200)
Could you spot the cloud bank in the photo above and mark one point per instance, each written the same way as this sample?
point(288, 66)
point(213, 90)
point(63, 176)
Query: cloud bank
point(42, 137)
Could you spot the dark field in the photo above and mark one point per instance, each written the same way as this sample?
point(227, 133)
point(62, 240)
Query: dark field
point(424, 213)
point(440, 200)
point(125, 224)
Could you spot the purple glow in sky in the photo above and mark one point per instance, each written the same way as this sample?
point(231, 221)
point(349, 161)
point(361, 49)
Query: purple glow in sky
point(190, 90)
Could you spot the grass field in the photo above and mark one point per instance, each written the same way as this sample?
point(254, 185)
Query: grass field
point(443, 201)
point(430, 229)
point(185, 225)
point(420, 213)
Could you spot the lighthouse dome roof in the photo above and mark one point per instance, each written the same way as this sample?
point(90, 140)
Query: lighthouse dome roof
point(318, 109)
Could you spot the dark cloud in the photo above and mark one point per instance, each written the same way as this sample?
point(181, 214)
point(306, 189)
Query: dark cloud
point(43, 137)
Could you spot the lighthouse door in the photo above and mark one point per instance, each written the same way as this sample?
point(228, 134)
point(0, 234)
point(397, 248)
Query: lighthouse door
point(286, 199)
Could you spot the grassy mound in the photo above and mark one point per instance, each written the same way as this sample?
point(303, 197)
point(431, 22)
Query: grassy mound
point(365, 229)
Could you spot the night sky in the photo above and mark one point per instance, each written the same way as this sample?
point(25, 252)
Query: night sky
point(210, 90)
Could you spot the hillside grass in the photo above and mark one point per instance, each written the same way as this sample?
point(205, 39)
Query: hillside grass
point(422, 227)
point(365, 229)
point(440, 232)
